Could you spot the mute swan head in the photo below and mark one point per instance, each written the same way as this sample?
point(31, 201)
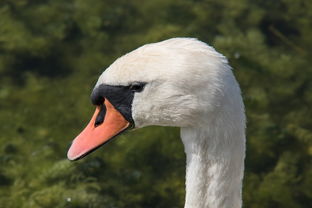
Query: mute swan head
point(177, 82)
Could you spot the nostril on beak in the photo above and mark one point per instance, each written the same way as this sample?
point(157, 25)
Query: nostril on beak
point(100, 117)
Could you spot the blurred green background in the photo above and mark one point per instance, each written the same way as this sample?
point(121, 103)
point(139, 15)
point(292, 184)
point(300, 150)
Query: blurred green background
point(52, 52)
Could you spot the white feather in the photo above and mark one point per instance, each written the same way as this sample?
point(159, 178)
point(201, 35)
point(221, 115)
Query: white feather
point(191, 86)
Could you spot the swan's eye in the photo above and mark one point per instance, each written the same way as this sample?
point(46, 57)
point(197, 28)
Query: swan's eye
point(137, 86)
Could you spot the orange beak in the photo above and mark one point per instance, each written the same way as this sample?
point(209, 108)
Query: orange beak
point(93, 136)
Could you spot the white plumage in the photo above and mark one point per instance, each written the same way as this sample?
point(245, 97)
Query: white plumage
point(191, 86)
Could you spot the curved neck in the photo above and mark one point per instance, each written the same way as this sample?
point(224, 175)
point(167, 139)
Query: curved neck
point(214, 168)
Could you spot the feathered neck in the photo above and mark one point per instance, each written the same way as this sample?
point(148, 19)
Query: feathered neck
point(215, 164)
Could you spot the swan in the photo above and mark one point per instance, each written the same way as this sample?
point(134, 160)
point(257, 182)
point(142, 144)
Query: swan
point(180, 82)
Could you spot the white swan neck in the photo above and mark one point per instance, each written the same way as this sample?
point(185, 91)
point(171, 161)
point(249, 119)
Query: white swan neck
point(214, 168)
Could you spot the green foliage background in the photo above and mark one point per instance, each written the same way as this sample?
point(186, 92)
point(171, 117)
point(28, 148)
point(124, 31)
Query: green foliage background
point(52, 52)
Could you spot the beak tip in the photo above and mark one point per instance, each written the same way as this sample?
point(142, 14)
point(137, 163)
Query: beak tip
point(71, 155)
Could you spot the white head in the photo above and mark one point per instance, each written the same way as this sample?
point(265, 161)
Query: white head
point(178, 82)
point(185, 82)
